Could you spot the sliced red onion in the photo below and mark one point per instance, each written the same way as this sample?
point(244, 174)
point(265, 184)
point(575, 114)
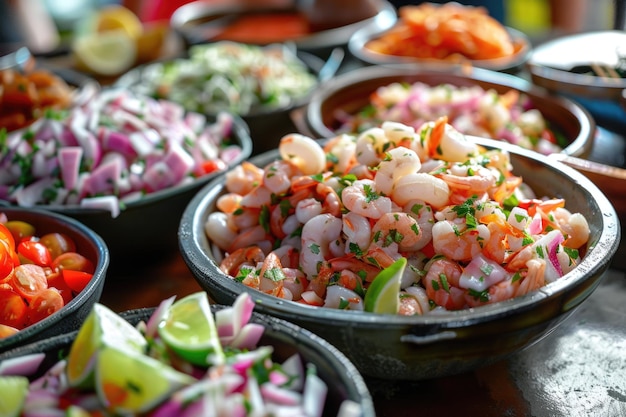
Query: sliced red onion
point(22, 365)
point(314, 395)
point(158, 315)
point(69, 164)
point(282, 396)
point(109, 203)
point(481, 273)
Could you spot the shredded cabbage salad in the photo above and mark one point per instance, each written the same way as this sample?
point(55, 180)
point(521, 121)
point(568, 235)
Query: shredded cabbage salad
point(110, 149)
point(240, 78)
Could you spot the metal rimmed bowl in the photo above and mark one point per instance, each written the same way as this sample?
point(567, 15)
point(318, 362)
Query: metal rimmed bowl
point(429, 346)
point(341, 377)
point(88, 244)
point(351, 92)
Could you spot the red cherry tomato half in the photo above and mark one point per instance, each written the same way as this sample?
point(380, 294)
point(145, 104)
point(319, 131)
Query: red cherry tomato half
point(44, 304)
point(74, 261)
point(76, 280)
point(13, 309)
point(7, 261)
point(212, 166)
point(6, 331)
point(56, 280)
point(28, 280)
point(34, 252)
point(57, 243)
point(7, 236)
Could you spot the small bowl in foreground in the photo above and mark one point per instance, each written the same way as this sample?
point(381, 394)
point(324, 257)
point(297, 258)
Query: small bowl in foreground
point(88, 244)
point(342, 378)
point(435, 345)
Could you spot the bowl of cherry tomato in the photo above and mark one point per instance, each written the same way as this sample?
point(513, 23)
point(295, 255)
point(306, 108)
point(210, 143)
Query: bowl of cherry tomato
point(52, 271)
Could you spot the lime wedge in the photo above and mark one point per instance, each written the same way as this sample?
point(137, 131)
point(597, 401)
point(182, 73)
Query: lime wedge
point(76, 411)
point(188, 328)
point(107, 53)
point(14, 390)
point(101, 328)
point(382, 296)
point(130, 383)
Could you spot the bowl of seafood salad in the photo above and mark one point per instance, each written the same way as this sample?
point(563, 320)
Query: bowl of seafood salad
point(500, 243)
point(145, 362)
point(478, 102)
point(115, 156)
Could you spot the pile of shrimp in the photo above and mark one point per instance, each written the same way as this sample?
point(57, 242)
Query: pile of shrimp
point(450, 31)
point(317, 225)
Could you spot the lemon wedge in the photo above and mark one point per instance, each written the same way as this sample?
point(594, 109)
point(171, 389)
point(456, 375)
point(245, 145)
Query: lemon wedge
point(117, 17)
point(382, 296)
point(188, 328)
point(108, 53)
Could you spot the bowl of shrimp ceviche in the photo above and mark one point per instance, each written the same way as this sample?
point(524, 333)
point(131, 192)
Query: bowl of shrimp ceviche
point(132, 364)
point(477, 102)
point(52, 271)
point(418, 253)
point(449, 33)
point(119, 161)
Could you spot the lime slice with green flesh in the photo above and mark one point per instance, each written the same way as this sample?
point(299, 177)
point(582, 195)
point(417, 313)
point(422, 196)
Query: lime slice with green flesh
point(130, 383)
point(76, 411)
point(101, 328)
point(13, 392)
point(188, 329)
point(382, 296)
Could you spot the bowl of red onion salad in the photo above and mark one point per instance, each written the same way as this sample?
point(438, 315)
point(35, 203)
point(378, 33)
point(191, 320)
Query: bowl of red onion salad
point(477, 102)
point(267, 366)
point(50, 278)
point(501, 244)
point(123, 164)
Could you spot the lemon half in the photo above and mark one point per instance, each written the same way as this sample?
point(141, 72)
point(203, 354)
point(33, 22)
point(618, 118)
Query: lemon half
point(108, 53)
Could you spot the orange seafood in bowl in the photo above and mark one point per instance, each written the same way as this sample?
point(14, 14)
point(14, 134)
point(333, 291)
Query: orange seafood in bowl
point(449, 33)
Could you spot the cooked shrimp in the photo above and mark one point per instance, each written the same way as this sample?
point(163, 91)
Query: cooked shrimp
point(255, 235)
point(442, 284)
point(218, 231)
point(317, 235)
point(229, 202)
point(457, 242)
point(423, 213)
point(340, 152)
point(468, 180)
point(400, 228)
point(397, 163)
point(574, 225)
point(371, 145)
point(533, 280)
point(277, 176)
point(243, 178)
point(271, 276)
point(446, 143)
point(362, 198)
point(248, 256)
point(305, 153)
point(358, 232)
point(421, 186)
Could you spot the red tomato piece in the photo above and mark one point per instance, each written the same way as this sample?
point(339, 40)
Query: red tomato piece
point(76, 280)
point(28, 280)
point(74, 261)
point(7, 236)
point(34, 252)
point(44, 304)
point(20, 230)
point(212, 166)
point(13, 309)
point(58, 243)
point(6, 331)
point(7, 261)
point(56, 280)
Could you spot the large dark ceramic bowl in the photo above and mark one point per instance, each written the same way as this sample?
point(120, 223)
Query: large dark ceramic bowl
point(428, 346)
point(147, 227)
point(342, 378)
point(88, 244)
point(350, 92)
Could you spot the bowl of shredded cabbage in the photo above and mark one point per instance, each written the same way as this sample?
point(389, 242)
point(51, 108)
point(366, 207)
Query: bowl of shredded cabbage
point(477, 102)
point(262, 84)
point(419, 253)
point(122, 163)
point(258, 365)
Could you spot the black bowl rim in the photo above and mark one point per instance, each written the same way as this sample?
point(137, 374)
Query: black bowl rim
point(596, 261)
point(356, 46)
point(300, 337)
point(385, 18)
point(581, 145)
point(95, 284)
point(242, 136)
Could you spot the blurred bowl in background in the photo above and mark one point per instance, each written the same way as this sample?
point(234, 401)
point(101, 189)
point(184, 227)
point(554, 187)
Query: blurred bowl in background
point(90, 245)
point(428, 346)
point(351, 92)
point(200, 21)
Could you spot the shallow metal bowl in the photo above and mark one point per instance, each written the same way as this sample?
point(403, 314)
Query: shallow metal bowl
point(429, 346)
point(90, 245)
point(342, 378)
